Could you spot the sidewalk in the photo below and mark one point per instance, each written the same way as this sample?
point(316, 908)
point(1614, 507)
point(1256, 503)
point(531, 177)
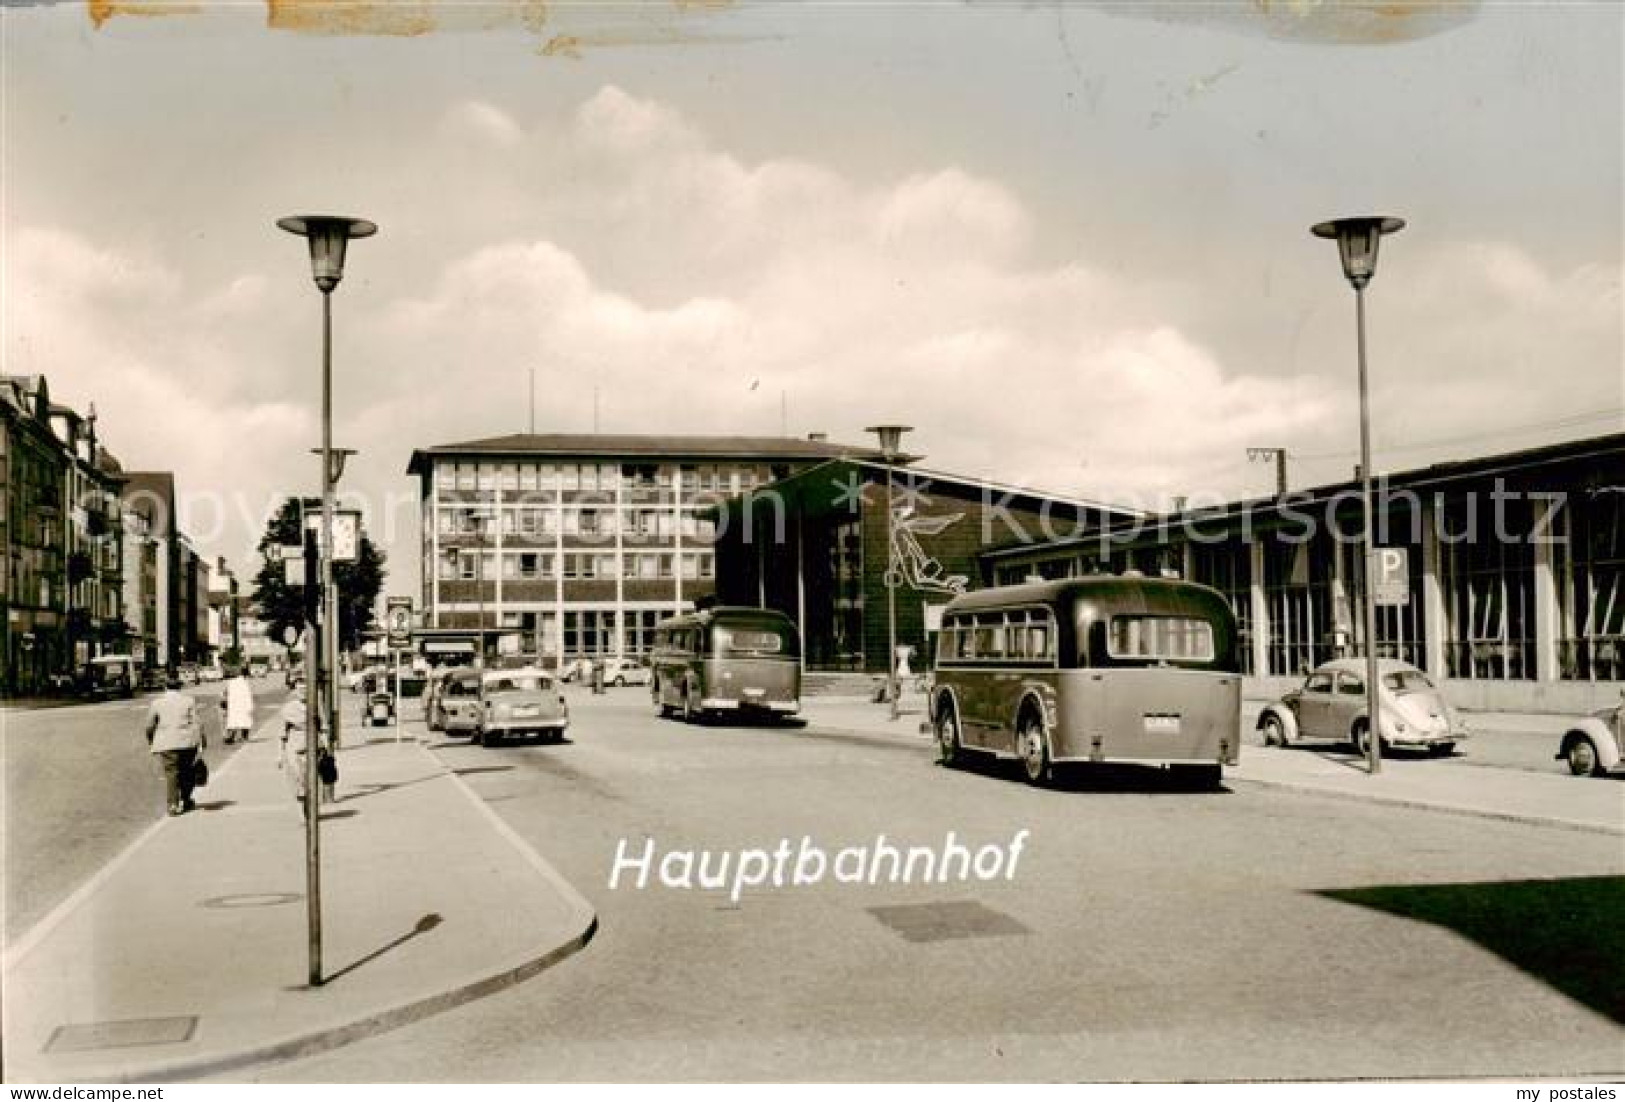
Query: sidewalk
point(188, 954)
point(1555, 799)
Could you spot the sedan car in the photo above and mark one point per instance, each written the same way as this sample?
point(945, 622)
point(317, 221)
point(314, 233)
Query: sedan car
point(625, 671)
point(1592, 747)
point(1331, 705)
point(520, 702)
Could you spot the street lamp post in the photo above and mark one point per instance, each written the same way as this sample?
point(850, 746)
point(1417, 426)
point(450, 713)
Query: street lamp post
point(891, 437)
point(1357, 240)
point(328, 237)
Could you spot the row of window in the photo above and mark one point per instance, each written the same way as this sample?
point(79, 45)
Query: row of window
point(518, 477)
point(1025, 636)
point(546, 523)
point(543, 566)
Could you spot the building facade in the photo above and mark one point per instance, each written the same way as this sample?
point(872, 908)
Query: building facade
point(571, 546)
point(817, 547)
point(1513, 572)
point(61, 534)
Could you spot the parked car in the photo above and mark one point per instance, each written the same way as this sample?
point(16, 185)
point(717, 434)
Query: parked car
point(211, 673)
point(259, 667)
point(576, 669)
point(1593, 746)
point(111, 675)
point(626, 671)
point(188, 673)
point(434, 686)
point(520, 702)
point(152, 678)
point(1331, 705)
point(457, 704)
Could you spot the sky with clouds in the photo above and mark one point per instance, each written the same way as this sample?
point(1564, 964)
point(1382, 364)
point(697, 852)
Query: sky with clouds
point(1067, 242)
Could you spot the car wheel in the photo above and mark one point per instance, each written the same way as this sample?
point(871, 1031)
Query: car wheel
point(1441, 749)
point(1033, 748)
point(949, 748)
point(1274, 731)
point(1360, 735)
point(620, 682)
point(1581, 755)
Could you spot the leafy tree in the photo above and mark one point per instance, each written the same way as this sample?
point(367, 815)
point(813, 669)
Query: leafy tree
point(282, 605)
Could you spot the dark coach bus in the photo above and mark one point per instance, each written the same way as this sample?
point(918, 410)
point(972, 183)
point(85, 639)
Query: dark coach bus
point(726, 660)
point(1096, 669)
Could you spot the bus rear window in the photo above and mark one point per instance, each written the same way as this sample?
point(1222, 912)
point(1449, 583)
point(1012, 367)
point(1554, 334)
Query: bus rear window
point(1169, 638)
point(741, 641)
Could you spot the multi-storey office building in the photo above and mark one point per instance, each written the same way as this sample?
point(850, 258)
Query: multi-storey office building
point(568, 546)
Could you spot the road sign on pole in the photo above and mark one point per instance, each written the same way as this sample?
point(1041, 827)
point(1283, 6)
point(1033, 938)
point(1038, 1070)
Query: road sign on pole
point(1391, 577)
point(398, 619)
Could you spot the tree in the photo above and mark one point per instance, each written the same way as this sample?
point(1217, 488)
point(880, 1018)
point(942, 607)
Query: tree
point(282, 606)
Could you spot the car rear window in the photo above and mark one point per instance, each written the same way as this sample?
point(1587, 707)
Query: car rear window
point(529, 683)
point(744, 641)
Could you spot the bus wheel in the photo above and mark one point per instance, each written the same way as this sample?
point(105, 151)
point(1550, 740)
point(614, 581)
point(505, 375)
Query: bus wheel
point(1033, 748)
point(691, 714)
point(662, 709)
point(948, 745)
point(1581, 756)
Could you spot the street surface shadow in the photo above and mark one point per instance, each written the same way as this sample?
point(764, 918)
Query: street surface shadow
point(1562, 932)
point(345, 814)
point(372, 788)
point(1094, 776)
point(424, 925)
point(472, 769)
point(215, 805)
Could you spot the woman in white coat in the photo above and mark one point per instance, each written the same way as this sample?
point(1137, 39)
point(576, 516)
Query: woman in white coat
point(239, 709)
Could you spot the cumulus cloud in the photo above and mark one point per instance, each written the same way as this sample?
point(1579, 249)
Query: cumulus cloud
point(667, 285)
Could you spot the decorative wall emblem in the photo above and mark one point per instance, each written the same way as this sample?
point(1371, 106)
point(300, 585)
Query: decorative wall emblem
point(909, 561)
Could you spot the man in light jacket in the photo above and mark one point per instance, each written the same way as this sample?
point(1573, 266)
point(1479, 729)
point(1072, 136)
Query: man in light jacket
point(176, 736)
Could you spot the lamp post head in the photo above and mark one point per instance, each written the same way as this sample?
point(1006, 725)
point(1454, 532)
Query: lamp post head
point(1357, 243)
point(891, 438)
point(328, 235)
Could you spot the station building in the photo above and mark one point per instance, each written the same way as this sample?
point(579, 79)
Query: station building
point(1513, 586)
point(816, 546)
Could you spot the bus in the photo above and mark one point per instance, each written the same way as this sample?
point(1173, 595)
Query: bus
point(737, 660)
point(1110, 668)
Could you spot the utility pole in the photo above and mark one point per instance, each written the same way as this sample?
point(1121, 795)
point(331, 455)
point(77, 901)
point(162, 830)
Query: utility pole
point(1264, 455)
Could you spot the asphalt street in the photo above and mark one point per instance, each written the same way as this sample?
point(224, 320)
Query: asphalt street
point(1147, 934)
point(80, 785)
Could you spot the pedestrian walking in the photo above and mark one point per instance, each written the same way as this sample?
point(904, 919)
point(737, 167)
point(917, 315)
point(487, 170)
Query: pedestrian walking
point(176, 736)
point(296, 744)
point(239, 708)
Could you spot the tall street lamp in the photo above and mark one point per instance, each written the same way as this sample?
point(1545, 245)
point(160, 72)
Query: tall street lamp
point(1357, 240)
point(328, 236)
point(891, 438)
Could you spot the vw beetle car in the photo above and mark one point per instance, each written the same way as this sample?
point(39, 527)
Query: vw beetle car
point(457, 703)
point(520, 702)
point(1331, 704)
point(1592, 747)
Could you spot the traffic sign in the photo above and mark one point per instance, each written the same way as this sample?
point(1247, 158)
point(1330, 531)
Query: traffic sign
point(1391, 576)
point(398, 620)
point(346, 532)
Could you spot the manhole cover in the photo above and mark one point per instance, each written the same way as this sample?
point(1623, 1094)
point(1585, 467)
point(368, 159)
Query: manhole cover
point(251, 899)
point(956, 918)
point(125, 1034)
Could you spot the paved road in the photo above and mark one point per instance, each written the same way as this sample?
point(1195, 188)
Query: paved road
point(1149, 934)
point(80, 784)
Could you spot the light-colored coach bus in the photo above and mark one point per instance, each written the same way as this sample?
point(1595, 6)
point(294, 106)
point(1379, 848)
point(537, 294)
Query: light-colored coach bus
point(737, 660)
point(1096, 669)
